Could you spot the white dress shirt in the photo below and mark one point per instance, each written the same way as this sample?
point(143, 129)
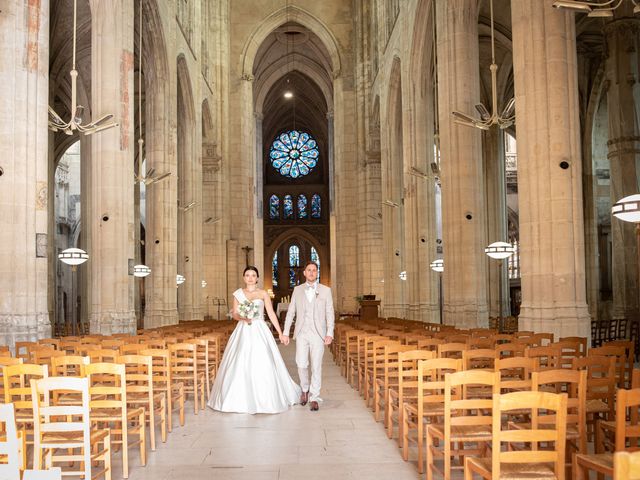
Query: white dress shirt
point(310, 290)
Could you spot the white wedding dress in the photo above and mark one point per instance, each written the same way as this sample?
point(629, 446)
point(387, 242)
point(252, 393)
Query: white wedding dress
point(252, 377)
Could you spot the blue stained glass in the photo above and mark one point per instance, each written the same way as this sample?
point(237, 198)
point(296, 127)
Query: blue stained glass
point(316, 206)
point(294, 256)
point(274, 267)
point(274, 207)
point(294, 262)
point(294, 154)
point(302, 206)
point(288, 206)
point(315, 258)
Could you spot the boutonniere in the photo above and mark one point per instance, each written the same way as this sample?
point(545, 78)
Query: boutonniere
point(317, 294)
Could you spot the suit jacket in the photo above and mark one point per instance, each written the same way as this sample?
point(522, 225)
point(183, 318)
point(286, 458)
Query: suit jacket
point(323, 316)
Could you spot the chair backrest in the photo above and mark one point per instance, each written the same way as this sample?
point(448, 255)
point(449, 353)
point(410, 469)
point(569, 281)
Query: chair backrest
point(111, 343)
point(480, 358)
point(9, 443)
point(619, 352)
point(53, 419)
point(103, 355)
point(626, 466)
point(553, 434)
point(569, 349)
point(627, 432)
point(481, 343)
point(582, 341)
point(161, 368)
point(22, 349)
point(43, 355)
point(548, 357)
point(515, 373)
point(17, 388)
point(499, 338)
point(50, 342)
point(601, 379)
point(68, 366)
point(431, 380)
point(139, 375)
point(451, 350)
point(574, 384)
point(131, 348)
point(629, 348)
point(507, 350)
point(464, 404)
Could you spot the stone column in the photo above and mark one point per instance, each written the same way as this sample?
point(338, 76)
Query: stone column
point(549, 170)
point(24, 74)
point(463, 211)
point(623, 97)
point(162, 224)
point(493, 149)
point(112, 154)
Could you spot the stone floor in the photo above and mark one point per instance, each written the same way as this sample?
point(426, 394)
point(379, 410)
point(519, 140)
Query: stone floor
point(341, 441)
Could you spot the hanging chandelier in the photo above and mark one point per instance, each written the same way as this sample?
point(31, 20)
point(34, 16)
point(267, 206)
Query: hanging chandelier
point(602, 8)
point(75, 124)
point(487, 120)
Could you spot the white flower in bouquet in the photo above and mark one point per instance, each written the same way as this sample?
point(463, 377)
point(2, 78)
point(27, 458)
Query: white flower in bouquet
point(248, 310)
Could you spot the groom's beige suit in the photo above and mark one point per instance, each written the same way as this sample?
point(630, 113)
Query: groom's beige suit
point(312, 305)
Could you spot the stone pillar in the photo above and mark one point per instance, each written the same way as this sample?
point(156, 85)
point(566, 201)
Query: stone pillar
point(623, 96)
point(494, 171)
point(463, 211)
point(549, 170)
point(112, 155)
point(24, 74)
point(161, 234)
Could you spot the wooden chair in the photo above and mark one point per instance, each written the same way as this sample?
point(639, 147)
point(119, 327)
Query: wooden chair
point(12, 445)
point(102, 355)
point(515, 373)
point(17, 390)
point(108, 404)
point(508, 350)
point(465, 420)
point(184, 369)
point(630, 354)
point(68, 366)
point(626, 466)
point(533, 463)
point(582, 341)
point(407, 389)
point(215, 354)
point(388, 377)
point(44, 355)
point(5, 361)
point(482, 343)
point(22, 349)
point(132, 348)
point(619, 352)
point(479, 359)
point(601, 386)
point(5, 351)
point(68, 427)
point(569, 349)
point(574, 384)
point(548, 357)
point(202, 356)
point(429, 404)
point(111, 343)
point(365, 360)
point(141, 393)
point(602, 463)
point(451, 350)
point(163, 382)
point(375, 369)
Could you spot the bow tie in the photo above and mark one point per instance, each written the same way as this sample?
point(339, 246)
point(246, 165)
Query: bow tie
point(310, 287)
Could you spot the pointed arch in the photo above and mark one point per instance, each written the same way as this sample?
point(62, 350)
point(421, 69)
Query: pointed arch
point(290, 13)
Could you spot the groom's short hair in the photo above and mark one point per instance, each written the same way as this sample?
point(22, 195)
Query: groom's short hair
point(310, 262)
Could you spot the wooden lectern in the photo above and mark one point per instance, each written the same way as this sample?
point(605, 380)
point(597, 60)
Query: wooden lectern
point(369, 309)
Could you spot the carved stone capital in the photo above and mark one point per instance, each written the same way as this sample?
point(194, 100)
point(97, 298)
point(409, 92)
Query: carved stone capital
point(247, 77)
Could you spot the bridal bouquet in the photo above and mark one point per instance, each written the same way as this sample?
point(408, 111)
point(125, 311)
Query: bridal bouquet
point(249, 310)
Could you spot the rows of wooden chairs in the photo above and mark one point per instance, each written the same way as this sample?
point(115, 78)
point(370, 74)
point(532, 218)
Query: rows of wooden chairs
point(75, 400)
point(449, 393)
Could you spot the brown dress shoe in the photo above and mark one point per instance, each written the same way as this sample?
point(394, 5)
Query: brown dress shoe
point(304, 398)
point(314, 406)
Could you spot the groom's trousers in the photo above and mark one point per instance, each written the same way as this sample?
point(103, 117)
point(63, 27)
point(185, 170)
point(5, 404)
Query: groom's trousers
point(310, 345)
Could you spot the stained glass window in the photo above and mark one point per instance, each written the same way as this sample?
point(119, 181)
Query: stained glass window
point(288, 206)
point(274, 207)
point(316, 206)
point(294, 263)
point(315, 258)
point(274, 266)
point(302, 206)
point(294, 154)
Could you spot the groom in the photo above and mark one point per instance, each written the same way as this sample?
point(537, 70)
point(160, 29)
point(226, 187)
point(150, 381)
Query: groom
point(311, 302)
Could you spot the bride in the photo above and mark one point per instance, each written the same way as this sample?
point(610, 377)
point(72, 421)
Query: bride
point(252, 377)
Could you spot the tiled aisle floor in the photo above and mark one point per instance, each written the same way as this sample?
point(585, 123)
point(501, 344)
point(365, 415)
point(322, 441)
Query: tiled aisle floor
point(341, 441)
